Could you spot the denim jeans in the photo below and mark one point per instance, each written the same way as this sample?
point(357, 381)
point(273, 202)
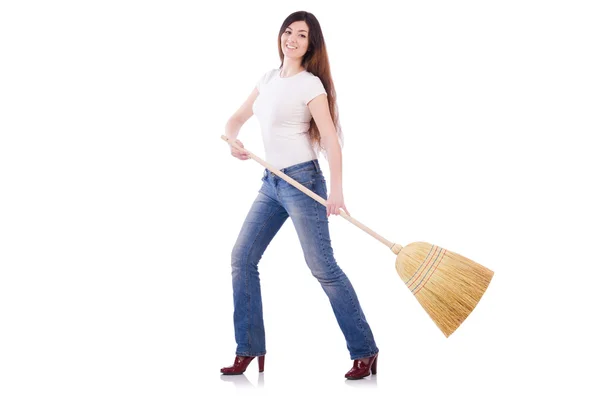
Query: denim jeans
point(276, 201)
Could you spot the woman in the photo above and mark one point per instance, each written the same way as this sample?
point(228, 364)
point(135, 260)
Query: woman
point(297, 112)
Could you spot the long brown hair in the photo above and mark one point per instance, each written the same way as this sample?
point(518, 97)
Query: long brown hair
point(316, 62)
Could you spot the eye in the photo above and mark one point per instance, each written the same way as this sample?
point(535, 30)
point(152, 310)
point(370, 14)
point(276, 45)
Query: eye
point(302, 36)
point(287, 32)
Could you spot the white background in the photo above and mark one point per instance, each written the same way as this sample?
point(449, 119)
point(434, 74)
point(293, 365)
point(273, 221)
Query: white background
point(468, 124)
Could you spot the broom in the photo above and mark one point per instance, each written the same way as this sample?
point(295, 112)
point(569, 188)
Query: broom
point(447, 285)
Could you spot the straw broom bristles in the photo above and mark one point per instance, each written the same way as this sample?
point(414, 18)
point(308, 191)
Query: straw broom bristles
point(446, 284)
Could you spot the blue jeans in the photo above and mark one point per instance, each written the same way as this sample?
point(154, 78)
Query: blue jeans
point(276, 201)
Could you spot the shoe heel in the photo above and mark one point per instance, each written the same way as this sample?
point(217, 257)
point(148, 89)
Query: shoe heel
point(261, 363)
point(374, 366)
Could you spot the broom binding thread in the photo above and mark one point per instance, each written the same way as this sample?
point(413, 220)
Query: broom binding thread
point(447, 285)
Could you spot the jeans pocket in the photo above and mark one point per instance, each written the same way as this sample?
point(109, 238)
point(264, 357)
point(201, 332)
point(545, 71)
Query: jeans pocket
point(305, 178)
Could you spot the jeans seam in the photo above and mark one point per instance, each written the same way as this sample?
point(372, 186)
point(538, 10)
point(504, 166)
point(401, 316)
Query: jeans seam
point(357, 316)
point(245, 263)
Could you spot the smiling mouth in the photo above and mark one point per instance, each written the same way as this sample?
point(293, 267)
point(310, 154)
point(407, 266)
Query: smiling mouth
point(291, 48)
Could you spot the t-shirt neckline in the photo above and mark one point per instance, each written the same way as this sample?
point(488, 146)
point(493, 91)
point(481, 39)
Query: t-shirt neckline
point(289, 77)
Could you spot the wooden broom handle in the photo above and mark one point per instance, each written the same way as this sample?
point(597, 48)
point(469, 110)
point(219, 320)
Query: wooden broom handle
point(394, 247)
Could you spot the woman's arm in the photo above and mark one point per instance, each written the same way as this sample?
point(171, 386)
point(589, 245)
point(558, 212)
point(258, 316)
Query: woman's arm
point(237, 120)
point(319, 109)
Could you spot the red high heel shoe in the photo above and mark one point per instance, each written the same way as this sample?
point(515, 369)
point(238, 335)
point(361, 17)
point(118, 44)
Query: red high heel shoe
point(360, 369)
point(241, 363)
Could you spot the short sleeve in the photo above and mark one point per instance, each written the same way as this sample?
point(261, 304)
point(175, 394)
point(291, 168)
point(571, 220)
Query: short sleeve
point(260, 82)
point(264, 79)
point(313, 88)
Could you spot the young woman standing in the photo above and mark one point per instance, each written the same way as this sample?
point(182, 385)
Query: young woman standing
point(296, 108)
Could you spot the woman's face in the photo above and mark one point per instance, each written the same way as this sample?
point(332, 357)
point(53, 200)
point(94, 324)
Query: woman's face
point(294, 40)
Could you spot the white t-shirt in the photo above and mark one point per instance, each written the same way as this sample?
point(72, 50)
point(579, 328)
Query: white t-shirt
point(282, 111)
